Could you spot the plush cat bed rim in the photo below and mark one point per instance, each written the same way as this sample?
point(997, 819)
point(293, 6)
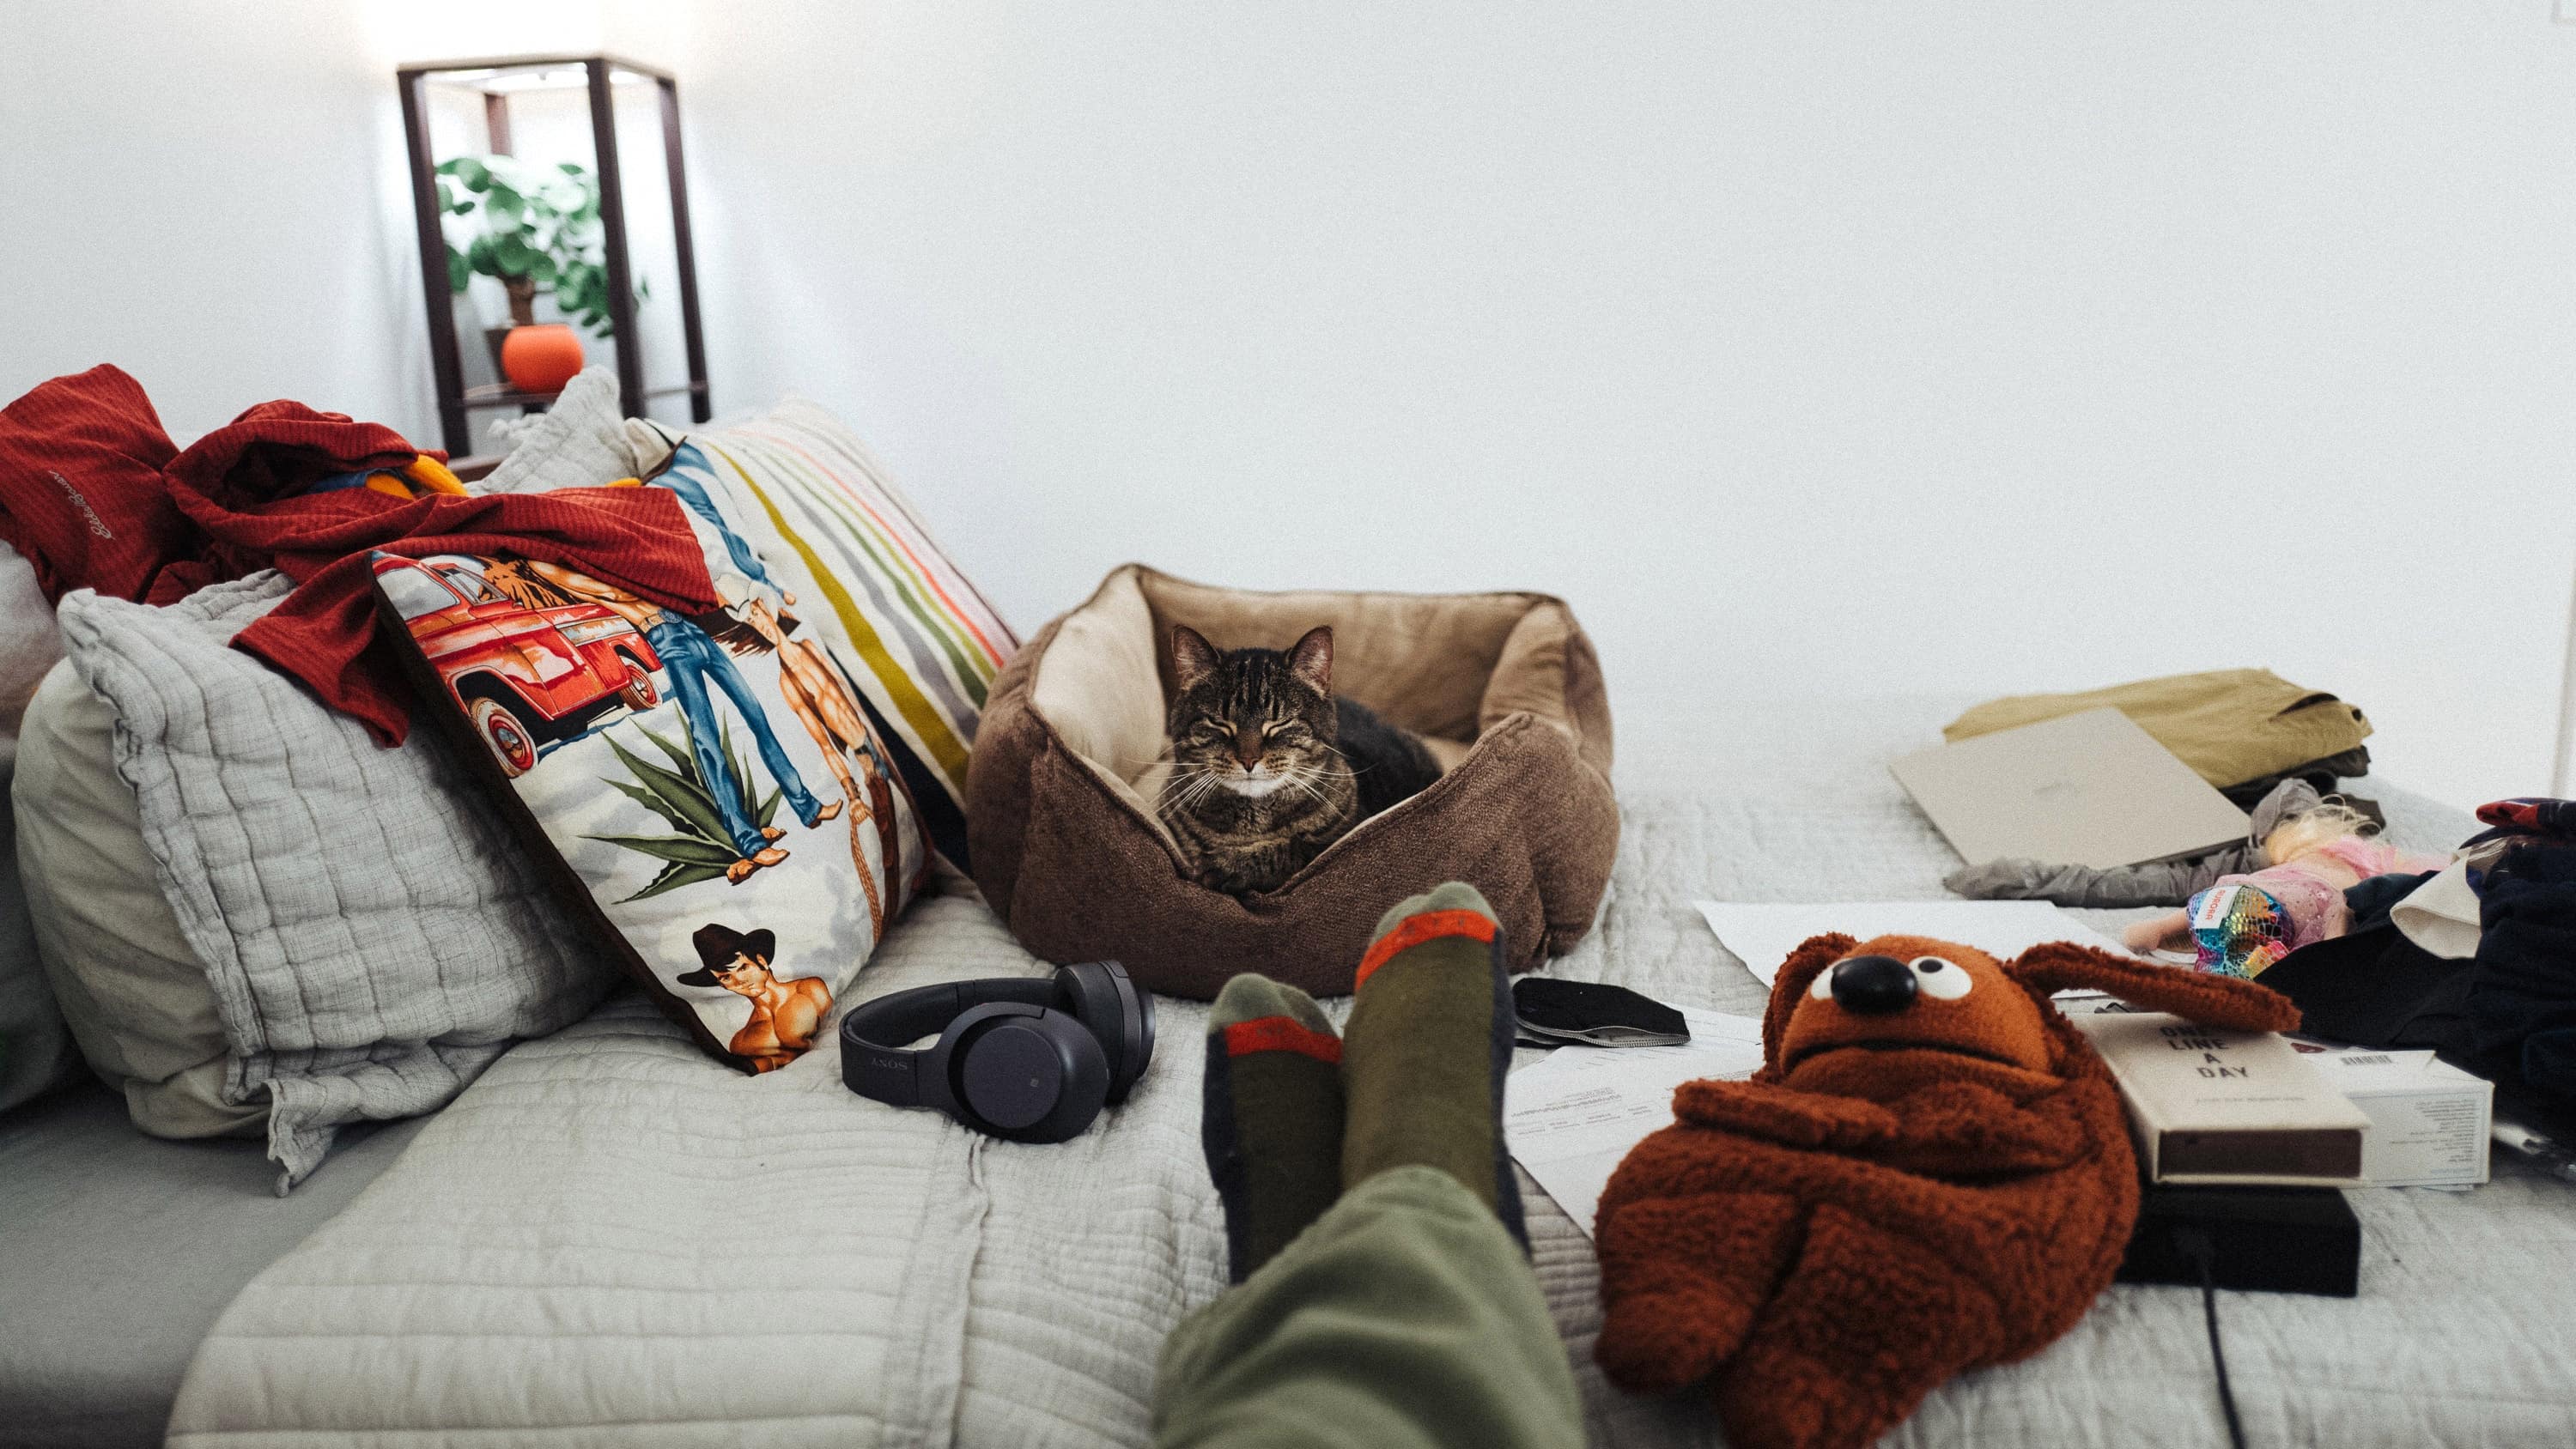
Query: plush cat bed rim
point(1453, 755)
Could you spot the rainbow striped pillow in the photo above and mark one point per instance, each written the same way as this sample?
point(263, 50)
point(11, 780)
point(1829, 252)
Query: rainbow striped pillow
point(923, 644)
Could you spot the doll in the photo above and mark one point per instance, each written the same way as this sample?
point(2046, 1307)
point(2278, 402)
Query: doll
point(2243, 923)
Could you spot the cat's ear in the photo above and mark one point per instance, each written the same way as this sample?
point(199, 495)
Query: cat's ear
point(1193, 658)
point(1311, 658)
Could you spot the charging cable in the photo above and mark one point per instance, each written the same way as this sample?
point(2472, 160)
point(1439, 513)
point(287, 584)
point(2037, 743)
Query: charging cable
point(2196, 1245)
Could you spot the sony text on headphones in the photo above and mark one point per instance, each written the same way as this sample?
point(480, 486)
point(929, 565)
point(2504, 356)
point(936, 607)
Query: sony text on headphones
point(1027, 1058)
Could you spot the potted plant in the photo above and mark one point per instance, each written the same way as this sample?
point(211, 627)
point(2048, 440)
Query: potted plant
point(539, 228)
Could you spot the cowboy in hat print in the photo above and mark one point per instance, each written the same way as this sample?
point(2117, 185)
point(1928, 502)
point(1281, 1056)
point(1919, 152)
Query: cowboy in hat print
point(785, 1015)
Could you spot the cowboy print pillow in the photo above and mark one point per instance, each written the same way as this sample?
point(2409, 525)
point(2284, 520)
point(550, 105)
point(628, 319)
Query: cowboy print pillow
point(718, 785)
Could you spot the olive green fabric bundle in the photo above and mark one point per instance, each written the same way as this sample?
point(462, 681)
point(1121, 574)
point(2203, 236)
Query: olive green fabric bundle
point(2234, 727)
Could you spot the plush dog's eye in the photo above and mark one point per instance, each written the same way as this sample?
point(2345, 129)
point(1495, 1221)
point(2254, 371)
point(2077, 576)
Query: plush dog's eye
point(1941, 980)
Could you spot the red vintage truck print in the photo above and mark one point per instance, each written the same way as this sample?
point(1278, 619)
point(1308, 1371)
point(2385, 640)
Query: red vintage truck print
point(529, 678)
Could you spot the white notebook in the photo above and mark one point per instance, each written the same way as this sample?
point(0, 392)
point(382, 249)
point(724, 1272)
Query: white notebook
point(2084, 789)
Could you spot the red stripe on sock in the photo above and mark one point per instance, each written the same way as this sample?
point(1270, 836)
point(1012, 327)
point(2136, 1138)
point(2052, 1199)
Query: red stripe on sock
point(1429, 926)
point(1281, 1034)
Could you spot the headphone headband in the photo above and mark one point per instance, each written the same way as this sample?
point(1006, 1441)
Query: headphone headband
point(878, 1063)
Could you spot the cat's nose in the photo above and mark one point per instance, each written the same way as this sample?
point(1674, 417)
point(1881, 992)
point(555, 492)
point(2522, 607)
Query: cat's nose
point(1247, 749)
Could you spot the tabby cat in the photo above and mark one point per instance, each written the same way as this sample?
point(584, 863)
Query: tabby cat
point(1269, 766)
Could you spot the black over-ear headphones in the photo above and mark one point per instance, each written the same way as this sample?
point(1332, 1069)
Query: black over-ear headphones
point(1027, 1058)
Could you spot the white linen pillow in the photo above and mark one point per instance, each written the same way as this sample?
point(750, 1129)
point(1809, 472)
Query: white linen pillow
point(34, 1051)
point(580, 442)
point(132, 991)
point(371, 940)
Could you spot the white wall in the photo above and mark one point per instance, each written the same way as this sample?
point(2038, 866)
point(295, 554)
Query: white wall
point(213, 195)
point(1893, 348)
point(1898, 347)
point(204, 194)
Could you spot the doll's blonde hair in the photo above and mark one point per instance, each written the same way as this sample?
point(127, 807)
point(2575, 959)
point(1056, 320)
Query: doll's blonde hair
point(2296, 836)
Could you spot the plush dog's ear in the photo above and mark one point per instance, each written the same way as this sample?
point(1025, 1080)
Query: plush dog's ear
point(1790, 987)
point(2202, 996)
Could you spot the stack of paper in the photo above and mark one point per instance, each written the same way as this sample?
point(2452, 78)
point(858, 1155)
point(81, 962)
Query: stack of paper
point(1572, 1118)
point(1762, 936)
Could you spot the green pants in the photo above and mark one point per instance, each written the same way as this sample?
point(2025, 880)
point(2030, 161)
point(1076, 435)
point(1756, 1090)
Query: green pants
point(1404, 1318)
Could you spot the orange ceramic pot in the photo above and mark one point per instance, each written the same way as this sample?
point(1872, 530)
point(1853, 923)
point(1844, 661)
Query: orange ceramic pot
point(541, 357)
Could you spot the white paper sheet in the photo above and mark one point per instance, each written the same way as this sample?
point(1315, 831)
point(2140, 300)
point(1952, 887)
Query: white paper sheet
point(1570, 1119)
point(1762, 936)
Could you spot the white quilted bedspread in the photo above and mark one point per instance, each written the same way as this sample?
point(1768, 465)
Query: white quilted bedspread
point(610, 1240)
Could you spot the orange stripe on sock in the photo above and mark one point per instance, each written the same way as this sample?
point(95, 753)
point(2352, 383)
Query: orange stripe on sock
point(1281, 1034)
point(1429, 926)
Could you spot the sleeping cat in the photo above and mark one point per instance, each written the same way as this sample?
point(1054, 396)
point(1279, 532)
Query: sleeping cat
point(1269, 766)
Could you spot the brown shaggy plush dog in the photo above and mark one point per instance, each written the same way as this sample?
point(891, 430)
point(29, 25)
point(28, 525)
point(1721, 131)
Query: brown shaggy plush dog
point(1931, 1173)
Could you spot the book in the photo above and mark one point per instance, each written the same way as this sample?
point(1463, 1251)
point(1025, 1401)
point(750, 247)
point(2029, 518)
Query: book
point(2261, 1239)
point(2429, 1121)
point(2087, 789)
point(2224, 1107)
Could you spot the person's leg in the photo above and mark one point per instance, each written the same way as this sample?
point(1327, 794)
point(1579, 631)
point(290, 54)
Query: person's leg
point(684, 648)
point(1405, 1315)
point(1428, 1045)
point(720, 668)
point(1404, 1318)
point(680, 479)
point(1271, 1117)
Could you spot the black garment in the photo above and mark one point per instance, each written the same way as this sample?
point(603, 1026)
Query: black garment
point(2508, 1014)
point(2522, 1000)
point(2376, 988)
point(2372, 898)
point(2320, 774)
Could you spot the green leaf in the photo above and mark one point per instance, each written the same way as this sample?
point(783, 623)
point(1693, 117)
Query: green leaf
point(675, 876)
point(649, 801)
point(679, 753)
point(511, 253)
point(687, 796)
point(768, 810)
point(471, 171)
point(458, 273)
point(679, 849)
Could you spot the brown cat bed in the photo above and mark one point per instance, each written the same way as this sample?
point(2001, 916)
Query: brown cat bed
point(1070, 754)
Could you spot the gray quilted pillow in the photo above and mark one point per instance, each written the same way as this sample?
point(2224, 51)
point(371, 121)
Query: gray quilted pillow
point(373, 934)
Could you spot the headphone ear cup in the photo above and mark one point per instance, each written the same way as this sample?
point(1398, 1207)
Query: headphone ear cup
point(1029, 1078)
point(1090, 991)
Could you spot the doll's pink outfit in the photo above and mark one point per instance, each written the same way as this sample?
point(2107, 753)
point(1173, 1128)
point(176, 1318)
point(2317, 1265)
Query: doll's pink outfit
point(2243, 923)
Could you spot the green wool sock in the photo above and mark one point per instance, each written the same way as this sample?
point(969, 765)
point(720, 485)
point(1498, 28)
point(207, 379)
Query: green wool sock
point(1429, 1040)
point(1271, 1119)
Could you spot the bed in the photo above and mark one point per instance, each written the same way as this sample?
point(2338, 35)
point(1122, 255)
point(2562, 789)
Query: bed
point(607, 1239)
point(118, 1251)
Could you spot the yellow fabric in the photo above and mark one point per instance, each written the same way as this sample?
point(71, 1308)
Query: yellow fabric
point(2229, 725)
point(423, 474)
point(434, 476)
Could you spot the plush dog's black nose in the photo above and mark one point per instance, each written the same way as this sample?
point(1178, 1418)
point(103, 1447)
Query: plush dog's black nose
point(1873, 985)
